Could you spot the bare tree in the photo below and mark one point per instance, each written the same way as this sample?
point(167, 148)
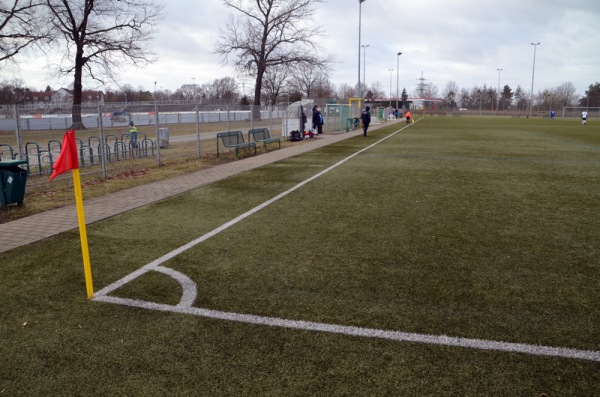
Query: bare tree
point(450, 94)
point(20, 26)
point(465, 98)
point(222, 91)
point(98, 37)
point(565, 94)
point(12, 92)
point(521, 98)
point(269, 33)
point(324, 88)
point(306, 78)
point(274, 80)
point(378, 89)
point(430, 90)
point(187, 91)
point(345, 91)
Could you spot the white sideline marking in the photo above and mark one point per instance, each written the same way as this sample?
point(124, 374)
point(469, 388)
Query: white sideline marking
point(152, 265)
point(190, 292)
point(442, 340)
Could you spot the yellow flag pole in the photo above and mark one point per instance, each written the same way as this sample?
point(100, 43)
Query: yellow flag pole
point(87, 268)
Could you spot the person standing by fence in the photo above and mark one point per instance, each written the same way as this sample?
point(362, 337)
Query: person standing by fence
point(133, 135)
point(366, 119)
point(317, 120)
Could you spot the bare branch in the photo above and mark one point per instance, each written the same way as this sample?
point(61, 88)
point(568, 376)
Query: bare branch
point(271, 33)
point(99, 37)
point(20, 27)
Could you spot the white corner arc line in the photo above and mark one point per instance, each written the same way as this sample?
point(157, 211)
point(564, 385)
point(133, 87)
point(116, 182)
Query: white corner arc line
point(190, 288)
point(397, 336)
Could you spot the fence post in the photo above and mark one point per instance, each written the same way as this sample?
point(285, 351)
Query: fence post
point(101, 145)
point(157, 134)
point(19, 136)
point(198, 131)
point(228, 128)
point(271, 119)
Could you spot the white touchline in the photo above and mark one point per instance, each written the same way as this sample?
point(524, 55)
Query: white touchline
point(442, 340)
point(190, 290)
point(152, 265)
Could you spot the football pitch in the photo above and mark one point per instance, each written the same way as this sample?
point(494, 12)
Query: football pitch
point(457, 256)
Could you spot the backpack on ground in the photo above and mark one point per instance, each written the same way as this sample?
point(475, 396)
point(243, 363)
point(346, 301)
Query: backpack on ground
point(295, 136)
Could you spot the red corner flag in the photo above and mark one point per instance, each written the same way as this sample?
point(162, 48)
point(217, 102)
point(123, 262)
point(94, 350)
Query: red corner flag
point(67, 159)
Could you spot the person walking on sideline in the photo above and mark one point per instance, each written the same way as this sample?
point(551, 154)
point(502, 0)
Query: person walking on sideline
point(133, 135)
point(408, 116)
point(317, 120)
point(366, 119)
point(583, 117)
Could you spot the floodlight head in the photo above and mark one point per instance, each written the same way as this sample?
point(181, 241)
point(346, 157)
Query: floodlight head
point(399, 53)
point(361, 1)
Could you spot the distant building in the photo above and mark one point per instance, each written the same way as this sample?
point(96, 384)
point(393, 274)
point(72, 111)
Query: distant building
point(63, 96)
point(38, 99)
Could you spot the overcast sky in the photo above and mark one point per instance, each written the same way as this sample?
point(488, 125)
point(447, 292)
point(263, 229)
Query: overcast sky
point(465, 41)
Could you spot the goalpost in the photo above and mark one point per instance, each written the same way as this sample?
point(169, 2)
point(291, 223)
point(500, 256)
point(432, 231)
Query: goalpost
point(575, 111)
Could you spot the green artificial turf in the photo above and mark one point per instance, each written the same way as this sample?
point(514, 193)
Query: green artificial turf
point(468, 227)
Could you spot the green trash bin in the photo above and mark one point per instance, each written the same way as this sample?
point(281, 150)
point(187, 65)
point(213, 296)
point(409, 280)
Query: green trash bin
point(13, 180)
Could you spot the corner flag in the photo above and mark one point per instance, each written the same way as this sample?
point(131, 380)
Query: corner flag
point(68, 160)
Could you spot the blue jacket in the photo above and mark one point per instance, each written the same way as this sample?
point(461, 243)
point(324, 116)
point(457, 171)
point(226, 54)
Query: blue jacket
point(366, 117)
point(317, 118)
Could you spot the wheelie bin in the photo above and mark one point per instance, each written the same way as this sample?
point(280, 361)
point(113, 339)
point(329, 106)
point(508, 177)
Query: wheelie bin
point(13, 180)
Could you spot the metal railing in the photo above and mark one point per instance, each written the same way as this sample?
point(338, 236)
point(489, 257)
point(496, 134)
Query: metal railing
point(166, 133)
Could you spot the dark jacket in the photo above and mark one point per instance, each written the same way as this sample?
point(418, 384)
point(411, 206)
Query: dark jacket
point(317, 119)
point(366, 116)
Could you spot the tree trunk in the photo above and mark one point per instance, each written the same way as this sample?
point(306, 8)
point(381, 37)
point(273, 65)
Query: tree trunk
point(257, 90)
point(77, 122)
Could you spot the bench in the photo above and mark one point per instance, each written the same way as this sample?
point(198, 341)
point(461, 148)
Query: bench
point(235, 140)
point(263, 136)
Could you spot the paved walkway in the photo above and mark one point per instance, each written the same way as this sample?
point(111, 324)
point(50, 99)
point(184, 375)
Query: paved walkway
point(40, 226)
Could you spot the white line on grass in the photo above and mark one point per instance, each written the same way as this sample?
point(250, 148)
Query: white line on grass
point(190, 290)
point(442, 340)
point(152, 265)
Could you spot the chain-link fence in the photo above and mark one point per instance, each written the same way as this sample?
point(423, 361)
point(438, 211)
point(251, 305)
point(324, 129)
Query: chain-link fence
point(125, 137)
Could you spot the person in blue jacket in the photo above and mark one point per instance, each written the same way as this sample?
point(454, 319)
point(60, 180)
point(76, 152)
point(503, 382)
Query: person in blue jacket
point(317, 120)
point(366, 119)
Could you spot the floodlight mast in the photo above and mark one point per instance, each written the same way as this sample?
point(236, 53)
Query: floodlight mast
point(391, 70)
point(532, 77)
point(397, 76)
point(358, 90)
point(364, 47)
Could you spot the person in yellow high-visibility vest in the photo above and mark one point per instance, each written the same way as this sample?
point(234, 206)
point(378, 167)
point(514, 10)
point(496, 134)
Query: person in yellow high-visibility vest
point(133, 135)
